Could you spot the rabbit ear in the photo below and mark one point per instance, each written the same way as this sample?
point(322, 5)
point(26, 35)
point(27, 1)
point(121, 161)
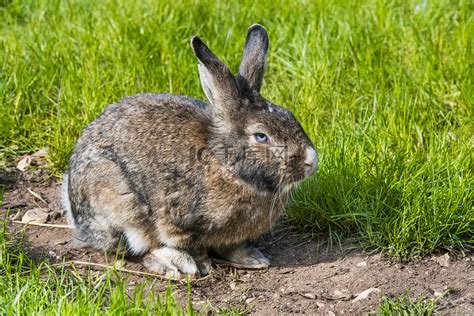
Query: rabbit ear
point(216, 79)
point(252, 67)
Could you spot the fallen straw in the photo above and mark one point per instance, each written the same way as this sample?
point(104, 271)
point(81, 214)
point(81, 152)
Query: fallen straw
point(43, 225)
point(93, 264)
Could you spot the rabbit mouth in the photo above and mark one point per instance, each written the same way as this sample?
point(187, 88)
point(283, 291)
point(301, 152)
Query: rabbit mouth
point(309, 169)
point(311, 162)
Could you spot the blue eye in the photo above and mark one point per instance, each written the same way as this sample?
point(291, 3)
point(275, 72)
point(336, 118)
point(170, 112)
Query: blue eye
point(261, 138)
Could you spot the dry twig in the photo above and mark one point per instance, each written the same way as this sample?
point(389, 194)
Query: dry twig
point(36, 195)
point(43, 225)
point(99, 265)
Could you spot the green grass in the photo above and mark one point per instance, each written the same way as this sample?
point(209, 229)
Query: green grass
point(30, 287)
point(404, 306)
point(384, 89)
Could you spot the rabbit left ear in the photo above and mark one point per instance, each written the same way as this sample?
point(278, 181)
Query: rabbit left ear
point(252, 67)
point(216, 79)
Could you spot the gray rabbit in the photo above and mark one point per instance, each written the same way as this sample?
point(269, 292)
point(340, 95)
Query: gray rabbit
point(170, 178)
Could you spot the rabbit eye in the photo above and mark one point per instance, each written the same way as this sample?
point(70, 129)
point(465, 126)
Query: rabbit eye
point(261, 138)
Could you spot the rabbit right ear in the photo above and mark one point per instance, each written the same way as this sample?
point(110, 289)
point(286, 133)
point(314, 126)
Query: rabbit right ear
point(252, 67)
point(216, 79)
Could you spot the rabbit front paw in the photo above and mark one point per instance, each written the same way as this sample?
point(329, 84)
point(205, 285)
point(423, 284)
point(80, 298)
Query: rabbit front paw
point(202, 260)
point(204, 266)
point(244, 257)
point(171, 262)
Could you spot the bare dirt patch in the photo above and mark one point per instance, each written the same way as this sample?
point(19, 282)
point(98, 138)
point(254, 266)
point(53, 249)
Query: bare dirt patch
point(305, 277)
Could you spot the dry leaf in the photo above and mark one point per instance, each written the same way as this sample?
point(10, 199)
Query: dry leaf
point(36, 215)
point(24, 163)
point(310, 296)
point(365, 294)
point(40, 153)
point(442, 260)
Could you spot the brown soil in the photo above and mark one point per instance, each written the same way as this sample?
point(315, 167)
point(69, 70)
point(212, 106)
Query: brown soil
point(306, 277)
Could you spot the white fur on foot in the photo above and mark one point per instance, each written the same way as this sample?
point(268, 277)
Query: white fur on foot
point(65, 200)
point(136, 241)
point(171, 262)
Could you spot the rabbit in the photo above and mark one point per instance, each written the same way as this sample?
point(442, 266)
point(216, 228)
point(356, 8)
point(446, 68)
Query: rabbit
point(170, 178)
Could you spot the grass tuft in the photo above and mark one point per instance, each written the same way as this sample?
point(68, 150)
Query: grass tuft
point(33, 286)
point(403, 305)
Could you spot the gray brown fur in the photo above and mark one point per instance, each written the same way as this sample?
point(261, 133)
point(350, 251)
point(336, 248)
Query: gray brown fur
point(169, 173)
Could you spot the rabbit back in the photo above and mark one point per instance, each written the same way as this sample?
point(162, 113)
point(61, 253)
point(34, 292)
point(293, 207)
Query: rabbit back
point(121, 169)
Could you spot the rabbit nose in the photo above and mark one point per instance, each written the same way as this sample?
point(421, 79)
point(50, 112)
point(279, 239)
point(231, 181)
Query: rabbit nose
point(310, 162)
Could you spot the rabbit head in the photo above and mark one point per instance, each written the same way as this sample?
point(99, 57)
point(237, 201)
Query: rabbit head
point(257, 140)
